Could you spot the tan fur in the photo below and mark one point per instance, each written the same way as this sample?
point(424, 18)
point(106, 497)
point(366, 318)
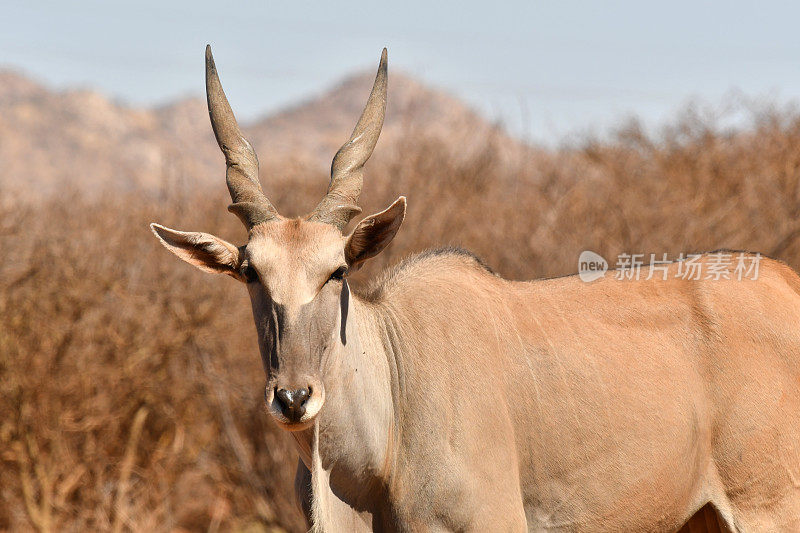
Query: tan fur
point(445, 398)
point(551, 404)
point(657, 381)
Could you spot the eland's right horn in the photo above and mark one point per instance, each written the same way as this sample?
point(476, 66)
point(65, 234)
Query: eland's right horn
point(249, 202)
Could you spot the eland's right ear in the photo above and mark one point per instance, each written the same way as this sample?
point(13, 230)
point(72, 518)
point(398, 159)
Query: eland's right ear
point(203, 250)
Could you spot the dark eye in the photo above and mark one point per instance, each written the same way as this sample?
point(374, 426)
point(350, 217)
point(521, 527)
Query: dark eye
point(250, 274)
point(339, 273)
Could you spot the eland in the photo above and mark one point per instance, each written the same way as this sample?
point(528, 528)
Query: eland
point(443, 397)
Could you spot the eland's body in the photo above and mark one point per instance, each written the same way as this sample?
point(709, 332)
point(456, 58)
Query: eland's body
point(561, 405)
point(445, 398)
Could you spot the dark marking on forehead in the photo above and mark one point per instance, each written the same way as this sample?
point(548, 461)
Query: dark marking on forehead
point(293, 224)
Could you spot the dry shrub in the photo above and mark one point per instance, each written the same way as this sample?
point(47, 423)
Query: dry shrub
point(130, 385)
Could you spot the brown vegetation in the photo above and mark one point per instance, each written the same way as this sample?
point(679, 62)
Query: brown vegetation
point(130, 384)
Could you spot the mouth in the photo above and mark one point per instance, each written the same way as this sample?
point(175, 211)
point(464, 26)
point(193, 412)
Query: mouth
point(288, 419)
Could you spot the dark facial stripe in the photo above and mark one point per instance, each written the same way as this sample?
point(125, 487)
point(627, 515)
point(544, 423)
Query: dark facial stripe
point(277, 323)
point(344, 302)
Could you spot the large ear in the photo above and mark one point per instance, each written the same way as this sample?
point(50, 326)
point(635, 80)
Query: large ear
point(374, 233)
point(205, 251)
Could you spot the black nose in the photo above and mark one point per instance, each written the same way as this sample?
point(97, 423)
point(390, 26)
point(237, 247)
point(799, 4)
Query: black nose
point(293, 402)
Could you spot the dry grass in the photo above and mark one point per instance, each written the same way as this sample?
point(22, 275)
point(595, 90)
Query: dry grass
point(130, 385)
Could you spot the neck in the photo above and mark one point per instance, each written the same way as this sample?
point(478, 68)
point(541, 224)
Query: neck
point(358, 425)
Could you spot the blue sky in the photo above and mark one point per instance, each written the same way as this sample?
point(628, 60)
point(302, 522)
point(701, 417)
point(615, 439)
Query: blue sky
point(546, 69)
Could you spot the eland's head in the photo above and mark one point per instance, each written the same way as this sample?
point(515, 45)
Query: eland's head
point(294, 269)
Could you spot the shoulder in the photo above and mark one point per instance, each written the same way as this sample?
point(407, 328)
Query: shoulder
point(447, 255)
point(425, 266)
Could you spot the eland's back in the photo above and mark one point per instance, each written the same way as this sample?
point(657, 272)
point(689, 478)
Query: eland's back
point(630, 403)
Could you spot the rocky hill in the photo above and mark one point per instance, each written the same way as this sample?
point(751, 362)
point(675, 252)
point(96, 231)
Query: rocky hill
point(79, 139)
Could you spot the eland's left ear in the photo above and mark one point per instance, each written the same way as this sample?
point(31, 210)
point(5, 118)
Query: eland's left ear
point(205, 251)
point(374, 233)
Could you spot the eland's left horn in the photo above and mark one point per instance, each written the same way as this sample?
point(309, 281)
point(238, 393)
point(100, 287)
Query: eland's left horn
point(340, 204)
